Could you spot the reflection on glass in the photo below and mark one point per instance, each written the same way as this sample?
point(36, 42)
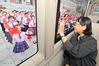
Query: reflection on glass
point(18, 33)
point(69, 10)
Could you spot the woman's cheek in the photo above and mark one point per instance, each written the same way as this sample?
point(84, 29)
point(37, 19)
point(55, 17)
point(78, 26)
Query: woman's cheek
point(75, 30)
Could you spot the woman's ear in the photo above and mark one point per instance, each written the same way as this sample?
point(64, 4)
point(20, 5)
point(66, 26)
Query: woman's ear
point(84, 27)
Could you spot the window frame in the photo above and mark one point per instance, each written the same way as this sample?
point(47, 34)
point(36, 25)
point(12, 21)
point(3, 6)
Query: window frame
point(82, 12)
point(58, 37)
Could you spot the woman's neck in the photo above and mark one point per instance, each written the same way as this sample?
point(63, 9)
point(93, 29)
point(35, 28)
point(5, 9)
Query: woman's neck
point(81, 34)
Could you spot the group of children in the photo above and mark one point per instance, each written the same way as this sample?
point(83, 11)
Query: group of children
point(70, 19)
point(18, 27)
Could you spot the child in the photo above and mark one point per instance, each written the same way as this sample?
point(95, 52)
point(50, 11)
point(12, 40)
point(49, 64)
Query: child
point(19, 40)
point(29, 34)
point(32, 29)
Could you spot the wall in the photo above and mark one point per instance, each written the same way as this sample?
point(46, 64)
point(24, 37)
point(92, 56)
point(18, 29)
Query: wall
point(96, 35)
point(53, 53)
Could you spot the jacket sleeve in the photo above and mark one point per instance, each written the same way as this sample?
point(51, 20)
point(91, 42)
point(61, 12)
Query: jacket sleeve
point(81, 50)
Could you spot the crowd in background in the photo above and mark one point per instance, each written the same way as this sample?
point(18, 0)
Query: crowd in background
point(18, 26)
point(70, 19)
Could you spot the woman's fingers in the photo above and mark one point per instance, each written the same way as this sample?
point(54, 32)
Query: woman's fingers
point(67, 65)
point(61, 27)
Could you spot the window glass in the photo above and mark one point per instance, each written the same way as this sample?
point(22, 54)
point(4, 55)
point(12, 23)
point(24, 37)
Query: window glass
point(3, 0)
point(69, 10)
point(18, 32)
point(19, 1)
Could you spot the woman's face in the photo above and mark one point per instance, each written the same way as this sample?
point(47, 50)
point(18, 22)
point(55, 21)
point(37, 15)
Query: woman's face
point(78, 28)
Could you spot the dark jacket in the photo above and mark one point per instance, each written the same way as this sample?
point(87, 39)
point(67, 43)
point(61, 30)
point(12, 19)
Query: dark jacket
point(81, 52)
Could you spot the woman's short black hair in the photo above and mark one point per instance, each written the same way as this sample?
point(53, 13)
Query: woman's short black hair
point(86, 21)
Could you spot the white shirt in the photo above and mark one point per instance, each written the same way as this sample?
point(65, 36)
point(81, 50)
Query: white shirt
point(17, 39)
point(10, 25)
point(2, 19)
point(32, 23)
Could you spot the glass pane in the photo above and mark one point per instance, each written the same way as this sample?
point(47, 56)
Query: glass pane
point(18, 31)
point(3, 0)
point(69, 10)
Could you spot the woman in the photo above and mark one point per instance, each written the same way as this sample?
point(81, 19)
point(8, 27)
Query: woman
point(81, 49)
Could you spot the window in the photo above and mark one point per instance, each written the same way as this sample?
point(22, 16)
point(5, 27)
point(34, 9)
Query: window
point(18, 1)
point(97, 9)
point(69, 10)
point(18, 33)
point(3, 0)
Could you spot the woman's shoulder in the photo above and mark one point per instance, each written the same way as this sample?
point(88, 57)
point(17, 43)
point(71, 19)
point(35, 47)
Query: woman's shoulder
point(92, 38)
point(91, 42)
point(74, 35)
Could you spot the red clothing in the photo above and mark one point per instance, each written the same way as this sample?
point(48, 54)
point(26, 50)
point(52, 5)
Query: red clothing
point(69, 19)
point(6, 24)
point(28, 19)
